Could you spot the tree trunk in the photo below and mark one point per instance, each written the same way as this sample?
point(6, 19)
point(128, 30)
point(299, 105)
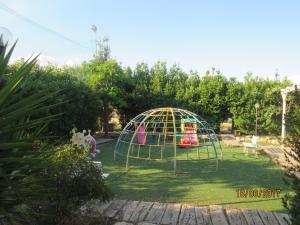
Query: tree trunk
point(123, 120)
point(232, 125)
point(105, 117)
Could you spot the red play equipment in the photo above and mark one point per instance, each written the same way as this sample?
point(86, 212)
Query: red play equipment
point(188, 136)
point(141, 134)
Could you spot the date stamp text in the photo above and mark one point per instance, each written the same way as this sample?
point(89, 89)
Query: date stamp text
point(258, 193)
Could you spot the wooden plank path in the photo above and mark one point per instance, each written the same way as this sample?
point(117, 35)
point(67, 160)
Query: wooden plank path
point(126, 212)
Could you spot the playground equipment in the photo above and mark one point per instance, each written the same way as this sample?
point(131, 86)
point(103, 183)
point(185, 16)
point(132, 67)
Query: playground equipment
point(165, 133)
point(251, 145)
point(87, 141)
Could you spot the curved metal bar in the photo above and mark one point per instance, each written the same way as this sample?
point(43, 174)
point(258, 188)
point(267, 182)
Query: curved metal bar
point(134, 135)
point(158, 122)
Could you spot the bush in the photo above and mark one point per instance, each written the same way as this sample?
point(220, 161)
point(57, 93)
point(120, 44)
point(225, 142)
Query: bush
point(39, 184)
point(78, 104)
point(81, 108)
point(57, 191)
point(74, 181)
point(242, 97)
point(22, 161)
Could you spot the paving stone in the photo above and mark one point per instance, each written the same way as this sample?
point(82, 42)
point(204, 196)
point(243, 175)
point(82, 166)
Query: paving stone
point(123, 223)
point(146, 223)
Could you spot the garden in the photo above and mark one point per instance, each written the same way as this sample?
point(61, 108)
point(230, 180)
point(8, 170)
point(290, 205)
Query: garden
point(198, 181)
point(45, 179)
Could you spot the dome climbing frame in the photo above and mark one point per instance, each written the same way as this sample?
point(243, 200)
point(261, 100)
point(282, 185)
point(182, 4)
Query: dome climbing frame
point(165, 133)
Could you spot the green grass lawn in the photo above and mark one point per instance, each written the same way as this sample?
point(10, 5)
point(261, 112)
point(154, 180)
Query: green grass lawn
point(197, 182)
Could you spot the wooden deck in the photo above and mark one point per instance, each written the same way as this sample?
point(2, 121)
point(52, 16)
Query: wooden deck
point(153, 213)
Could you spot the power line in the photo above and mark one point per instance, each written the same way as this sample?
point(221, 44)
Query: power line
point(38, 25)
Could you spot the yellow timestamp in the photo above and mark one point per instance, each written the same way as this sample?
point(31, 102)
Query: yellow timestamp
point(258, 193)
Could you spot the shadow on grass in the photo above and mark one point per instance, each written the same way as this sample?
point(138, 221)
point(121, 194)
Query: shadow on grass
point(197, 182)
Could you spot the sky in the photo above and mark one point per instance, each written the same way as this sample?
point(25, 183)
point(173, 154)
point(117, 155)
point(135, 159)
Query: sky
point(233, 36)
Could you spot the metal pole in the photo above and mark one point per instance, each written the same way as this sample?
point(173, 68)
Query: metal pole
point(174, 140)
point(134, 135)
point(256, 108)
point(256, 121)
point(284, 95)
point(94, 29)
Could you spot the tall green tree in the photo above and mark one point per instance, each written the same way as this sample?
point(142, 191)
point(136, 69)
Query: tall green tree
point(242, 97)
point(158, 75)
point(175, 86)
point(80, 110)
point(126, 86)
point(142, 97)
point(105, 78)
point(206, 97)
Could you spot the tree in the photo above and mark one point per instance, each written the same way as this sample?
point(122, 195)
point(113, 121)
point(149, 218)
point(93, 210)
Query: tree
point(126, 86)
point(39, 184)
point(105, 78)
point(207, 97)
point(242, 96)
point(141, 96)
point(175, 86)
point(80, 110)
point(158, 74)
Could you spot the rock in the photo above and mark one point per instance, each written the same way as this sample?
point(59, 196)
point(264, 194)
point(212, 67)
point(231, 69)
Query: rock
point(146, 223)
point(232, 143)
point(91, 208)
point(123, 223)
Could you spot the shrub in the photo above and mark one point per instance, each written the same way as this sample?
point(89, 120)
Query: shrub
point(21, 157)
point(78, 104)
point(74, 181)
point(38, 184)
point(81, 108)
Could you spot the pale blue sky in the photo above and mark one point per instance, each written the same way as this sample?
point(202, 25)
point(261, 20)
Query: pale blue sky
point(235, 36)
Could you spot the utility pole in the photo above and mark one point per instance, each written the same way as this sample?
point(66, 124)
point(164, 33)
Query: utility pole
point(277, 75)
point(102, 50)
point(94, 29)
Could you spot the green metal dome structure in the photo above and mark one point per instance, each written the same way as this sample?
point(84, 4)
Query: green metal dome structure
point(165, 133)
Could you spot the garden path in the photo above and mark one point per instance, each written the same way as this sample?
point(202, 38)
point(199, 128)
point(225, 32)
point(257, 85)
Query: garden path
point(125, 212)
